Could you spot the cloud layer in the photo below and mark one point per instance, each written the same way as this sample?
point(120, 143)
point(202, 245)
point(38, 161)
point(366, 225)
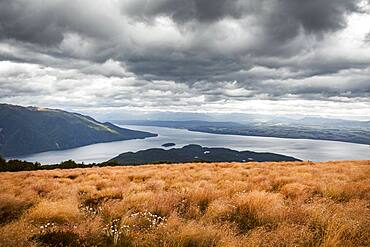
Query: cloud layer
point(233, 55)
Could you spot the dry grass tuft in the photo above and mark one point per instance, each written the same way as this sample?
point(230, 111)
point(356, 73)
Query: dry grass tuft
point(59, 212)
point(220, 204)
point(257, 208)
point(11, 207)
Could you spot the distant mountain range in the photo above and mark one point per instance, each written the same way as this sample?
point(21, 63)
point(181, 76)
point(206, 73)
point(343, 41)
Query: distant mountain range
point(306, 128)
point(195, 153)
point(323, 122)
point(241, 118)
point(27, 130)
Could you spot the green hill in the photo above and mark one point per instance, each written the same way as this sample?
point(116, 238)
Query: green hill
point(27, 130)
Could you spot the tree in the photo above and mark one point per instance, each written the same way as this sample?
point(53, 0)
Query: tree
point(2, 161)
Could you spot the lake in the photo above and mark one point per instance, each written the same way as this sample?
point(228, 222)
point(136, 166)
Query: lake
point(314, 150)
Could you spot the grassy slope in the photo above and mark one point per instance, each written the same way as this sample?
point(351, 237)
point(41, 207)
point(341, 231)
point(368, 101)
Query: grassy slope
point(219, 204)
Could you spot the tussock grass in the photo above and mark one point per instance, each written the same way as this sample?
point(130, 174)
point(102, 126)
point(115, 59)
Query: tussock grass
point(220, 204)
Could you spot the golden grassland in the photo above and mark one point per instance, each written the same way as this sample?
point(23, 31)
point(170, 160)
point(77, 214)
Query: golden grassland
point(219, 204)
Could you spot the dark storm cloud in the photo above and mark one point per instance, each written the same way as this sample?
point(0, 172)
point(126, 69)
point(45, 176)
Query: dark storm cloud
point(183, 11)
point(189, 69)
point(279, 23)
point(46, 22)
point(22, 22)
point(280, 19)
point(215, 49)
point(314, 15)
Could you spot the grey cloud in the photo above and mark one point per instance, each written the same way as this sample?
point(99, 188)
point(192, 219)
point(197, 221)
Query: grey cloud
point(45, 23)
point(219, 50)
point(20, 21)
point(183, 11)
point(278, 23)
point(189, 69)
point(315, 15)
point(280, 20)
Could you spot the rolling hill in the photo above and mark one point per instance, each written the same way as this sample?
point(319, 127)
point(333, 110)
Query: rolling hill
point(27, 130)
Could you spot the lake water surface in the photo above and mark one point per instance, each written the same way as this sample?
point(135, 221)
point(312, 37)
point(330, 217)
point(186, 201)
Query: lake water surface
point(315, 150)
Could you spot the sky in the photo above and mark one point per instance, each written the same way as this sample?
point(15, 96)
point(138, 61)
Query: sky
point(249, 56)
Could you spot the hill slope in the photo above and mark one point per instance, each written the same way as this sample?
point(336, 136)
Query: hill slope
point(26, 130)
point(193, 153)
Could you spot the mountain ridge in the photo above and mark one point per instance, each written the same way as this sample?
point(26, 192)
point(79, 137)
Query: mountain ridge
point(28, 130)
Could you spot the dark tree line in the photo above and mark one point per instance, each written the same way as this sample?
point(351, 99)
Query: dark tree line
point(21, 165)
